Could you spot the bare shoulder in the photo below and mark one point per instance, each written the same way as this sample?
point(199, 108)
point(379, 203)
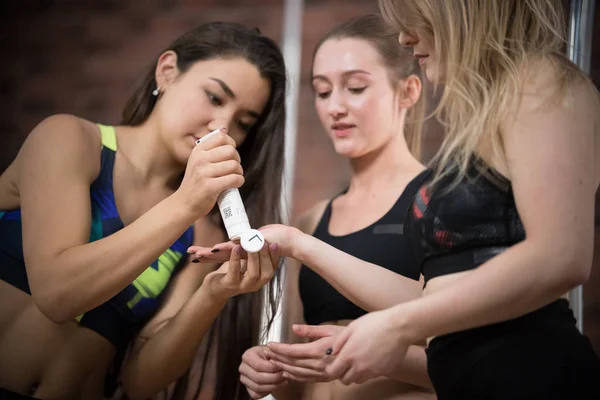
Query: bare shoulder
point(555, 118)
point(550, 86)
point(64, 137)
point(66, 128)
point(308, 220)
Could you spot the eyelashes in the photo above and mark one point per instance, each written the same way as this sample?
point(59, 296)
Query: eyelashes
point(357, 90)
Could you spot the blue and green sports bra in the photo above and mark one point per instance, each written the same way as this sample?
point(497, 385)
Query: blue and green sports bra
point(121, 316)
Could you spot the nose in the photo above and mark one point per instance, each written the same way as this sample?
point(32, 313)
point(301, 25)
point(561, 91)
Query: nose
point(407, 40)
point(218, 123)
point(337, 105)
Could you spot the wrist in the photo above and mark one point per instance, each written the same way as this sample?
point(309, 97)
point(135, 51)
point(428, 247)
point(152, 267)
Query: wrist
point(405, 318)
point(183, 206)
point(212, 297)
point(299, 245)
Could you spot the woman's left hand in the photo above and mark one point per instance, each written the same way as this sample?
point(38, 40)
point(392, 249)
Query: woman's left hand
point(371, 346)
point(238, 276)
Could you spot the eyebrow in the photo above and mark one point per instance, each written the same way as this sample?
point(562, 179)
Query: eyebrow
point(225, 88)
point(344, 74)
point(231, 94)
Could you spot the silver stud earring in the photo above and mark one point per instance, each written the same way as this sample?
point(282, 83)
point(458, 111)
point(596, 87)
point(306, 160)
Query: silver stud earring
point(156, 92)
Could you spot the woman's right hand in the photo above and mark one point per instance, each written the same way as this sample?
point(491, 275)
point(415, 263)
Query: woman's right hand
point(258, 374)
point(213, 167)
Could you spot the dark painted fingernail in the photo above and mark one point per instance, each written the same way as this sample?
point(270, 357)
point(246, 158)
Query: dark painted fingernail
point(215, 250)
point(329, 351)
point(195, 260)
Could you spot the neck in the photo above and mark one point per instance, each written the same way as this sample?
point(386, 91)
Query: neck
point(383, 166)
point(146, 153)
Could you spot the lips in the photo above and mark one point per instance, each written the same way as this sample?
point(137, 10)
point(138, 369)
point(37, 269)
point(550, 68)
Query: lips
point(421, 57)
point(342, 129)
point(341, 126)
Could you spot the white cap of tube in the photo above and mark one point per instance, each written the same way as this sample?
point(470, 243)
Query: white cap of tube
point(252, 241)
point(203, 138)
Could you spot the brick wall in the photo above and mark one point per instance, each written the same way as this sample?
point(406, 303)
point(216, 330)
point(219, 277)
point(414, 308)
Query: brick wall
point(85, 57)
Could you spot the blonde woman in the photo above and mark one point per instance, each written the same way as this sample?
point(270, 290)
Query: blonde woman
point(506, 225)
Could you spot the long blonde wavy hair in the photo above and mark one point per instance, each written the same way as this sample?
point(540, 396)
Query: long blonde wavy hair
point(484, 48)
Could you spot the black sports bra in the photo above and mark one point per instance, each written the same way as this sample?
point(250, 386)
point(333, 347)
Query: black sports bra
point(380, 243)
point(458, 230)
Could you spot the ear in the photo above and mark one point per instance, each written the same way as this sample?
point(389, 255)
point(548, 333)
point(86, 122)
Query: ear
point(166, 69)
point(409, 91)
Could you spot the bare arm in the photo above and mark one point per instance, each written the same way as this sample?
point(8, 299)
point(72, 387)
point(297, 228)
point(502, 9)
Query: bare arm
point(414, 368)
point(551, 161)
point(68, 275)
point(367, 285)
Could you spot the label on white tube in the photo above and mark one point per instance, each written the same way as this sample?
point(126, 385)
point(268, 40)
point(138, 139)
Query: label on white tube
point(233, 213)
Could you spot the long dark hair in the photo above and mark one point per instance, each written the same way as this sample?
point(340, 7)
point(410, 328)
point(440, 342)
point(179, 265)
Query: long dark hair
point(237, 327)
point(399, 63)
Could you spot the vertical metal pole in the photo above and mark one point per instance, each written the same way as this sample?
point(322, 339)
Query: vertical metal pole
point(291, 47)
point(581, 26)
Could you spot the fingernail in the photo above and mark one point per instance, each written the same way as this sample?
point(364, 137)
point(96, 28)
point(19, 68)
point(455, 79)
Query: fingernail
point(190, 252)
point(215, 250)
point(285, 375)
point(237, 250)
point(274, 247)
point(329, 351)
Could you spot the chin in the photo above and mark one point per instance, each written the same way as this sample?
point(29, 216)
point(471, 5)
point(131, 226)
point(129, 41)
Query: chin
point(432, 76)
point(346, 150)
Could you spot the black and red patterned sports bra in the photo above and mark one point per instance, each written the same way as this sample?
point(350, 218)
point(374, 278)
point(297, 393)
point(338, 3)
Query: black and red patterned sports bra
point(458, 230)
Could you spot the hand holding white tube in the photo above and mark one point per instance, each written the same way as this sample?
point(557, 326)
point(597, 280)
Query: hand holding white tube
point(234, 216)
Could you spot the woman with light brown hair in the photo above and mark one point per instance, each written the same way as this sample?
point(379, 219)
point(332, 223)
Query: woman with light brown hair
point(367, 94)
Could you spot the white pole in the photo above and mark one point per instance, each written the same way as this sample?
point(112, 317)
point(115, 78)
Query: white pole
point(581, 24)
point(292, 51)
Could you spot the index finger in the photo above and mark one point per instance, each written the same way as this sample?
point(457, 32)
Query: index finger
point(215, 139)
point(297, 350)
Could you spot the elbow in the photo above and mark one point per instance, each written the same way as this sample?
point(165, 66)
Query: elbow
point(573, 266)
point(579, 272)
point(50, 304)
